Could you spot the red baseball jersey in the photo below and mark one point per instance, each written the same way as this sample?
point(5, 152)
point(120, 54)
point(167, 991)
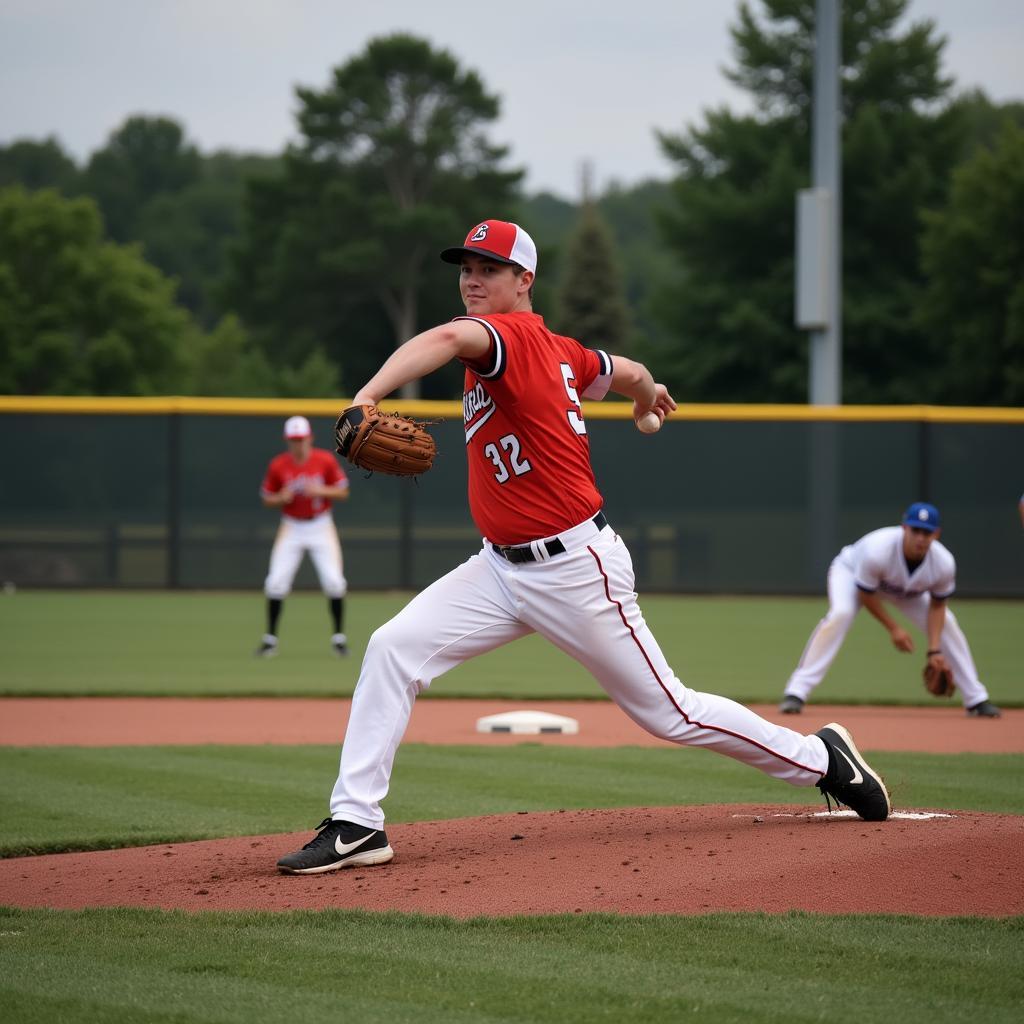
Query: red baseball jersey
point(526, 442)
point(320, 468)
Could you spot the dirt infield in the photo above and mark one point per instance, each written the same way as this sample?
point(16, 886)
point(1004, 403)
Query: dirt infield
point(147, 721)
point(636, 860)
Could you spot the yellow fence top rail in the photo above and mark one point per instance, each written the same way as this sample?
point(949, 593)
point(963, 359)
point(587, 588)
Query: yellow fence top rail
point(612, 410)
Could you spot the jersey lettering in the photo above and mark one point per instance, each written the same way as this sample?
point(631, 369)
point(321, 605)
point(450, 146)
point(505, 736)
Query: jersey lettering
point(575, 416)
point(477, 408)
point(473, 401)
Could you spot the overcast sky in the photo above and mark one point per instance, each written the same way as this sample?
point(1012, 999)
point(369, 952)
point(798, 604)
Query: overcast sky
point(577, 80)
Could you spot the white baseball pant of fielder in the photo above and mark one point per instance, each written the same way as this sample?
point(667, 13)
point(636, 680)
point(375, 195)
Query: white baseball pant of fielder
point(584, 602)
point(294, 538)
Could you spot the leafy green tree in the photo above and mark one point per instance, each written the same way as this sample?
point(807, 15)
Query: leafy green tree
point(973, 254)
point(146, 157)
point(341, 249)
point(225, 363)
point(591, 304)
point(982, 120)
point(188, 233)
point(80, 315)
point(731, 221)
point(37, 165)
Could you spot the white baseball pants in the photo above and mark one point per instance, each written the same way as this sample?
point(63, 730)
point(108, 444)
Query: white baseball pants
point(844, 603)
point(583, 601)
point(294, 538)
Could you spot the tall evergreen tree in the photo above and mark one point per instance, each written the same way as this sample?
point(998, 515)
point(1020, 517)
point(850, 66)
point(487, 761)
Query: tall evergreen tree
point(731, 222)
point(591, 303)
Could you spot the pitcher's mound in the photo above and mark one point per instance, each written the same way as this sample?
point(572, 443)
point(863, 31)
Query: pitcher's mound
point(664, 860)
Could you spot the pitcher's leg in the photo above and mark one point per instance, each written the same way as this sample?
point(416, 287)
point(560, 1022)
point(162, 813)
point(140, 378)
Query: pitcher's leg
point(828, 636)
point(463, 614)
point(596, 620)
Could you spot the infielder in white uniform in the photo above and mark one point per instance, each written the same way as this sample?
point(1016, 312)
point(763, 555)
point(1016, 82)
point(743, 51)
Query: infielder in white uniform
point(550, 563)
point(904, 566)
point(302, 482)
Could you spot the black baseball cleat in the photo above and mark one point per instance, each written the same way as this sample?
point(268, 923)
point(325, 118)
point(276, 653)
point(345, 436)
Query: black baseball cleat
point(985, 709)
point(338, 844)
point(267, 647)
point(339, 644)
point(850, 779)
point(791, 705)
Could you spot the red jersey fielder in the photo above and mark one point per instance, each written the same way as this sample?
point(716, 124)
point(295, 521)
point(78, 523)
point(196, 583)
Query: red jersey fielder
point(302, 482)
point(550, 563)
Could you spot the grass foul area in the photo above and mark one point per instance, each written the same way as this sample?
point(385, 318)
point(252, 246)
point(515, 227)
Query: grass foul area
point(135, 966)
point(201, 644)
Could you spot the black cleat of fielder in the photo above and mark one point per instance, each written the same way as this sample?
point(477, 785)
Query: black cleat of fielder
point(338, 844)
point(267, 647)
point(791, 705)
point(985, 709)
point(850, 779)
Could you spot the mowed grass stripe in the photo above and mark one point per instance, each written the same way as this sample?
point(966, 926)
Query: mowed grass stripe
point(201, 644)
point(64, 798)
point(133, 965)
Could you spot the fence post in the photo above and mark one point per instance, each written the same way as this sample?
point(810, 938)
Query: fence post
point(823, 497)
point(113, 554)
point(174, 499)
point(924, 469)
point(406, 517)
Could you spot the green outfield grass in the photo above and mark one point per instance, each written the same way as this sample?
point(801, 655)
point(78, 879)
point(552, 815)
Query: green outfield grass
point(200, 644)
point(78, 798)
point(137, 966)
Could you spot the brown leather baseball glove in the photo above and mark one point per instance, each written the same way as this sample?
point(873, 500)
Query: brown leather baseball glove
point(938, 681)
point(384, 442)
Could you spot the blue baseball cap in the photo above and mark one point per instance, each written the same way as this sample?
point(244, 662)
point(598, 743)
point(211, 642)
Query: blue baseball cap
point(923, 516)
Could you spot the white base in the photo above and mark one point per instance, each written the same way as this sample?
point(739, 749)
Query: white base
point(527, 723)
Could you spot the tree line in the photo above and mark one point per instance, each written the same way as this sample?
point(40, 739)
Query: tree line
point(154, 268)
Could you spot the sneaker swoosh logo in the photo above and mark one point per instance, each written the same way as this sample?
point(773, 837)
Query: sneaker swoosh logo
point(344, 849)
point(857, 777)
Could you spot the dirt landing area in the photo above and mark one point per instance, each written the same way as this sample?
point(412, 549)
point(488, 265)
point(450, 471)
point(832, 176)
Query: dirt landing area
point(102, 721)
point(639, 861)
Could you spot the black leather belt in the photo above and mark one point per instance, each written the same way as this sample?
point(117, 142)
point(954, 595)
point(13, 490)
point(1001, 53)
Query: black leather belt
point(524, 553)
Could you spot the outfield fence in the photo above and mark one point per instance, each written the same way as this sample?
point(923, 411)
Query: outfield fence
point(154, 493)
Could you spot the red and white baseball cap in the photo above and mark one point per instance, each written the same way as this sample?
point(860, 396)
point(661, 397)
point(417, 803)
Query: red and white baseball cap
point(296, 427)
point(500, 240)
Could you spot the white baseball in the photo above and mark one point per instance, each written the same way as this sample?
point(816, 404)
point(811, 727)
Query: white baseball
point(648, 423)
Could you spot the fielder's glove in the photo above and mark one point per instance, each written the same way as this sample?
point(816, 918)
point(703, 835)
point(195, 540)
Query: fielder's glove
point(938, 680)
point(383, 442)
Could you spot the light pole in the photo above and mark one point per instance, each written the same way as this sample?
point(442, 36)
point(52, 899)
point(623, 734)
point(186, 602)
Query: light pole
point(818, 262)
